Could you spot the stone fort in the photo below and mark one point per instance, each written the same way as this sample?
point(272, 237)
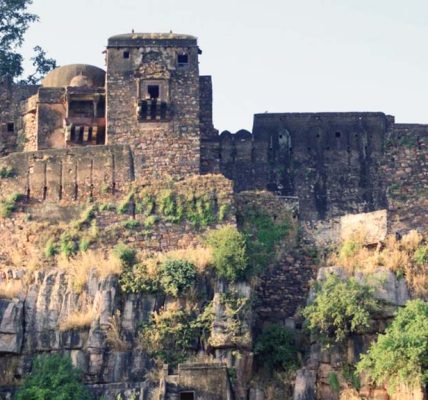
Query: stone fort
point(87, 134)
point(84, 130)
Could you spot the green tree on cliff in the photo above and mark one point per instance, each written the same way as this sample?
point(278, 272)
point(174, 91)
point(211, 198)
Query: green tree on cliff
point(15, 19)
point(53, 378)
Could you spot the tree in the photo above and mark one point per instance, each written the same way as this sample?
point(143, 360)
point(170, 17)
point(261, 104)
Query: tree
point(53, 378)
point(340, 308)
point(400, 356)
point(42, 64)
point(15, 19)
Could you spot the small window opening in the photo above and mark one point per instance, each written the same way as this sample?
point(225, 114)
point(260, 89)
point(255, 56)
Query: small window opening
point(153, 91)
point(187, 396)
point(338, 134)
point(182, 60)
point(11, 127)
point(126, 54)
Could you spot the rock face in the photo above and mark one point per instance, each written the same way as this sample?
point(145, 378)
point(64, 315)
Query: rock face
point(33, 325)
point(314, 381)
point(11, 326)
point(39, 322)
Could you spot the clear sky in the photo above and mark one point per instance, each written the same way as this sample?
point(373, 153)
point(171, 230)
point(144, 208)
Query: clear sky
point(267, 55)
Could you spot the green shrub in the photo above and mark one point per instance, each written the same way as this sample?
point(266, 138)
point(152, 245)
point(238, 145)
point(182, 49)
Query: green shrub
point(7, 172)
point(348, 249)
point(400, 356)
point(262, 234)
point(84, 244)
point(131, 224)
point(150, 221)
point(68, 244)
point(125, 254)
point(8, 205)
point(421, 255)
point(200, 211)
point(333, 382)
point(53, 378)
point(135, 279)
point(176, 276)
point(229, 252)
point(124, 206)
point(340, 308)
point(146, 204)
point(275, 348)
point(50, 249)
point(85, 218)
point(170, 335)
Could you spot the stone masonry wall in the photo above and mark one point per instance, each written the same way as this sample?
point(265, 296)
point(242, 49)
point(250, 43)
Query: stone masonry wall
point(210, 146)
point(330, 161)
point(171, 147)
point(11, 97)
point(406, 173)
point(76, 174)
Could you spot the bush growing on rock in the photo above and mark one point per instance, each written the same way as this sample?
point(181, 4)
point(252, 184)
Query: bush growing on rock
point(229, 253)
point(275, 348)
point(400, 356)
point(340, 307)
point(177, 276)
point(53, 378)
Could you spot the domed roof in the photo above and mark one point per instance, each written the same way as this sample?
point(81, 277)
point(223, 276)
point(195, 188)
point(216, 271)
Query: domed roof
point(75, 75)
point(81, 81)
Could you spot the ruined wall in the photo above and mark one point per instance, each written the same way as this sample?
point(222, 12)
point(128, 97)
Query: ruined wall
point(12, 97)
point(77, 174)
point(406, 172)
point(168, 147)
point(210, 146)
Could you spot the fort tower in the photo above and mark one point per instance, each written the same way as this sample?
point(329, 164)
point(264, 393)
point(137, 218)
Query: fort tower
point(153, 100)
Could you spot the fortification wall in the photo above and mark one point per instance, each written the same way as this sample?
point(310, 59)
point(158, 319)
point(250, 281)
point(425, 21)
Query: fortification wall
point(329, 160)
point(405, 170)
point(68, 175)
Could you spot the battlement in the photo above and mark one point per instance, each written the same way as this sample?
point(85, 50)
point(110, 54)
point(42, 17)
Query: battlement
point(152, 102)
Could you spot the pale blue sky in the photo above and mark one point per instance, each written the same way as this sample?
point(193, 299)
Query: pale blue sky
point(268, 55)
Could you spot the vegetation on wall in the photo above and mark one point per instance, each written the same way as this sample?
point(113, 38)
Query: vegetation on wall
point(339, 308)
point(53, 377)
point(400, 355)
point(229, 253)
point(7, 172)
point(9, 205)
point(406, 257)
point(171, 335)
point(275, 348)
point(176, 276)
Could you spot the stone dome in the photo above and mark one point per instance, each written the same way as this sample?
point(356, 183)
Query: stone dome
point(75, 75)
point(81, 81)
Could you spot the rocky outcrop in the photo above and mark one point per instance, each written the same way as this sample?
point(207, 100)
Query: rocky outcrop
point(313, 382)
point(36, 323)
point(11, 325)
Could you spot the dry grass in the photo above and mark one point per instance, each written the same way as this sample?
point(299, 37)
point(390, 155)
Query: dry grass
point(10, 289)
point(398, 255)
point(113, 334)
point(200, 257)
point(80, 266)
point(78, 320)
point(350, 394)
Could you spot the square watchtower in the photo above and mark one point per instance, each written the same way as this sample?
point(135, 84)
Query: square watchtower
point(152, 101)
